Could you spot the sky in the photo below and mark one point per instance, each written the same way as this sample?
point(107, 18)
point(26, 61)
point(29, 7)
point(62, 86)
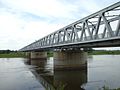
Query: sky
point(25, 21)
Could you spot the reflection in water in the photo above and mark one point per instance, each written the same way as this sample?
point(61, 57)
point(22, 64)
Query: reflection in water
point(71, 79)
point(101, 70)
point(43, 65)
point(15, 75)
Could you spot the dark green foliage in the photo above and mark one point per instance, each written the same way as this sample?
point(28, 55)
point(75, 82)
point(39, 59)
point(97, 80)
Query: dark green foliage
point(103, 52)
point(50, 54)
point(12, 55)
point(5, 51)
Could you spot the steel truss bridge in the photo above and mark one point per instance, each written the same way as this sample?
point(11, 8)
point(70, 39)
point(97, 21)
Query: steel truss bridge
point(99, 29)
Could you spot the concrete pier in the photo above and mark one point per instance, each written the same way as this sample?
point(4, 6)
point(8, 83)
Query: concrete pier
point(38, 55)
point(37, 59)
point(70, 60)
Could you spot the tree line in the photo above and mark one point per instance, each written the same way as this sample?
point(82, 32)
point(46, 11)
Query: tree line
point(6, 51)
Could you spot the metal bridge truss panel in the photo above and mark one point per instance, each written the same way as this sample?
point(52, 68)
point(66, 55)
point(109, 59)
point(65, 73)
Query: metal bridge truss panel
point(104, 24)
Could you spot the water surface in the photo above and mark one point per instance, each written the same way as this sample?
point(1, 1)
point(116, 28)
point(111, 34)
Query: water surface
point(15, 75)
point(102, 70)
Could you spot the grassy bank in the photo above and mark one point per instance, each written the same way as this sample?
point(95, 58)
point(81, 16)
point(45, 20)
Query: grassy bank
point(104, 52)
point(50, 54)
point(96, 52)
point(12, 55)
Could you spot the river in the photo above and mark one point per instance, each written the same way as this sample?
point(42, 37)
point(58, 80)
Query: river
point(15, 75)
point(102, 70)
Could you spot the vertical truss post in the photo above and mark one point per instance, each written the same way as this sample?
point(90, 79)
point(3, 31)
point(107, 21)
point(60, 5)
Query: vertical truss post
point(107, 25)
point(83, 30)
point(53, 39)
point(103, 35)
point(59, 37)
point(64, 35)
point(97, 27)
point(71, 37)
point(74, 31)
point(118, 28)
point(49, 39)
point(90, 34)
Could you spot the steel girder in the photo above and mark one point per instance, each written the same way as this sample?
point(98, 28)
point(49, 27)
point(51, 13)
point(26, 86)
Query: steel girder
point(102, 25)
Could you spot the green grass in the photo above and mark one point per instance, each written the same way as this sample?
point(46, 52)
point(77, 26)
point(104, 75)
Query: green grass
point(12, 55)
point(103, 52)
point(50, 54)
point(96, 52)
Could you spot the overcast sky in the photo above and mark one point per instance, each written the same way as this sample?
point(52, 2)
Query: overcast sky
point(24, 21)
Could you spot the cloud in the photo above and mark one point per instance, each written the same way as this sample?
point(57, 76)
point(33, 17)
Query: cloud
point(16, 33)
point(40, 7)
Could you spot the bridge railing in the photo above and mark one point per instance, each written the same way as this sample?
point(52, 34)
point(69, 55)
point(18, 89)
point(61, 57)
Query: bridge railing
point(97, 26)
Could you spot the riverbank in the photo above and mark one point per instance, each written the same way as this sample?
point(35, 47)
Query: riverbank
point(104, 52)
point(96, 52)
point(50, 54)
point(12, 55)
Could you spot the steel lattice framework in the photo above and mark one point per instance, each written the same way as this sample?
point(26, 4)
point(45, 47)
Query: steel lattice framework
point(100, 26)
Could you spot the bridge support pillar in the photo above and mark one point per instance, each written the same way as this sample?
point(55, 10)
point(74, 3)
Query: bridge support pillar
point(27, 54)
point(38, 55)
point(70, 60)
point(38, 59)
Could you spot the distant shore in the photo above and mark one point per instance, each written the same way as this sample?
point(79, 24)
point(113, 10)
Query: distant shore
point(50, 54)
point(104, 52)
point(12, 55)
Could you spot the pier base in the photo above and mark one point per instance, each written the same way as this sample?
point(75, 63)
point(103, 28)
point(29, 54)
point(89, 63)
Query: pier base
point(38, 59)
point(70, 60)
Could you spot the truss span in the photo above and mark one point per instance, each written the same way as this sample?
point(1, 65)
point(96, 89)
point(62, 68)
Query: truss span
point(98, 29)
